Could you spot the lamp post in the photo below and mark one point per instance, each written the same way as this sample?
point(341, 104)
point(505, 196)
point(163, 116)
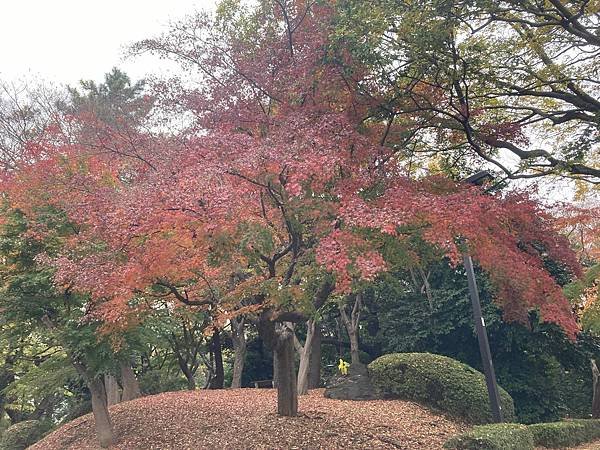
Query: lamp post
point(479, 179)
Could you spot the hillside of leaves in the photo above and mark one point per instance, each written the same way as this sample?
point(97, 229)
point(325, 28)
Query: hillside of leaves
point(245, 418)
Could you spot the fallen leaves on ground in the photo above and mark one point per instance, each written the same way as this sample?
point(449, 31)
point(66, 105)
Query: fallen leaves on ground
point(246, 419)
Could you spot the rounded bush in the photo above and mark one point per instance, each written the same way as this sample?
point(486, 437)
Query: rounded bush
point(21, 435)
point(439, 382)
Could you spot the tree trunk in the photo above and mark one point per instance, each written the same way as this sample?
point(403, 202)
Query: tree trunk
point(239, 348)
point(305, 352)
point(354, 354)
point(112, 390)
point(187, 372)
point(219, 379)
point(275, 370)
point(104, 427)
point(287, 394)
point(131, 386)
point(351, 324)
point(314, 370)
point(209, 374)
point(596, 391)
point(309, 372)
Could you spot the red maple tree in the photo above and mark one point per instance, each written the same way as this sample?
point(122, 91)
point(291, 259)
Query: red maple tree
point(278, 178)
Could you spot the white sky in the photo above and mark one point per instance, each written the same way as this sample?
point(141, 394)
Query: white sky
point(63, 41)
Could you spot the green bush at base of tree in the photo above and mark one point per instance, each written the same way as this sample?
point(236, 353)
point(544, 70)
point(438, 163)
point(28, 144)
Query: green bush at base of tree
point(439, 382)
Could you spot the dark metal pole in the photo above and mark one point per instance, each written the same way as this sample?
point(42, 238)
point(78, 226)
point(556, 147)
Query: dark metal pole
point(484, 345)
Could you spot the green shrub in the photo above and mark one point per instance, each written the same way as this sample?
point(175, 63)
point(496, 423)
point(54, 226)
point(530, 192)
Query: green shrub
point(565, 434)
point(21, 435)
point(440, 382)
point(500, 436)
point(522, 437)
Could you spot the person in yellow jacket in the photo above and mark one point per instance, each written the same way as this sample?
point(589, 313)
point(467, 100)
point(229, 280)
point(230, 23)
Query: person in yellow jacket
point(343, 366)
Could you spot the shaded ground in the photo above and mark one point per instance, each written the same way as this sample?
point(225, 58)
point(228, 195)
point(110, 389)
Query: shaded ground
point(245, 419)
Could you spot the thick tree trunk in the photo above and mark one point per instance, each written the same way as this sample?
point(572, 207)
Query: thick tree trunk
point(102, 421)
point(305, 352)
point(279, 337)
point(287, 394)
point(112, 390)
point(219, 379)
point(314, 370)
point(131, 386)
point(239, 348)
point(596, 391)
point(352, 327)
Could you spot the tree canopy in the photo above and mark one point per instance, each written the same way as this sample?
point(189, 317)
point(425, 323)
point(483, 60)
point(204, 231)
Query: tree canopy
point(321, 165)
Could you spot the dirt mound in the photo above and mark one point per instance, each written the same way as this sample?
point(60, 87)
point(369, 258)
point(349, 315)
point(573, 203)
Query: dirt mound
point(245, 419)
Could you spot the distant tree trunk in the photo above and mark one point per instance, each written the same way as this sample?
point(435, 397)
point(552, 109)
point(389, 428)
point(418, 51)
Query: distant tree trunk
point(239, 348)
point(209, 373)
point(112, 390)
point(275, 370)
point(314, 370)
point(596, 391)
point(287, 394)
point(131, 386)
point(219, 378)
point(104, 428)
point(309, 372)
point(187, 371)
point(305, 353)
point(351, 324)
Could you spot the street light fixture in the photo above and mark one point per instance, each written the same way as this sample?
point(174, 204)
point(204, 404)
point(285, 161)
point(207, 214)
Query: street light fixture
point(479, 179)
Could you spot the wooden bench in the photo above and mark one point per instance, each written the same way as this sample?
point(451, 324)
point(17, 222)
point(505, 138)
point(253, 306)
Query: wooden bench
point(262, 384)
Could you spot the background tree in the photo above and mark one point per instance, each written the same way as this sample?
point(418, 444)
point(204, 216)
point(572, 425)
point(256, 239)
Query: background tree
point(509, 85)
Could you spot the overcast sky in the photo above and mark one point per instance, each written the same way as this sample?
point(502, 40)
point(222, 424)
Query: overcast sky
point(67, 40)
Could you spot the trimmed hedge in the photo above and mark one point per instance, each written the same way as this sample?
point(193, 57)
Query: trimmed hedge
point(508, 436)
point(439, 382)
point(500, 436)
point(21, 435)
point(565, 434)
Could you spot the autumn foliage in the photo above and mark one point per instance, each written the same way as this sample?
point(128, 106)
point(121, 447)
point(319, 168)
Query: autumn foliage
point(277, 178)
